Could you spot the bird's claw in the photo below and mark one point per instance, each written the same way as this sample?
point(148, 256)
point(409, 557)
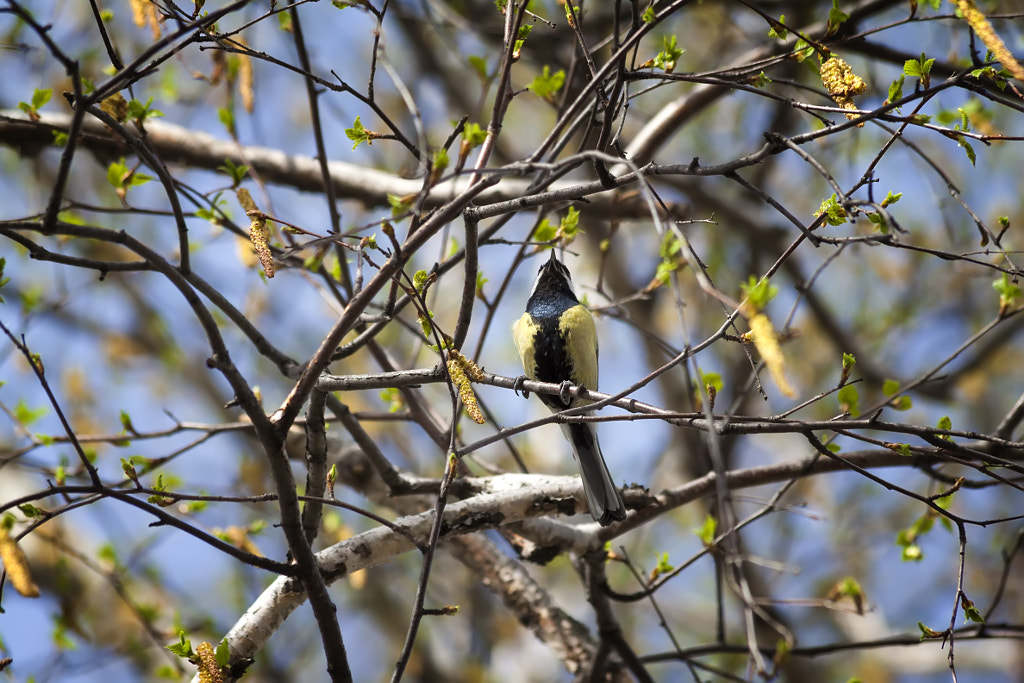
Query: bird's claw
point(563, 392)
point(517, 387)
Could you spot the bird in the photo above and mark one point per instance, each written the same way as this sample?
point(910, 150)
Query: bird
point(557, 343)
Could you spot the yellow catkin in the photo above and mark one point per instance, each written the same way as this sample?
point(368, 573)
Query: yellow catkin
point(457, 372)
point(16, 565)
point(981, 26)
point(257, 230)
point(246, 87)
point(841, 83)
point(767, 344)
point(209, 670)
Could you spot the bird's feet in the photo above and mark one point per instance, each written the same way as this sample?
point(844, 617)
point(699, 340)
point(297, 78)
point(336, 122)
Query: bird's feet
point(517, 386)
point(563, 392)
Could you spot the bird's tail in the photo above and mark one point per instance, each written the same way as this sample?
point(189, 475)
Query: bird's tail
point(602, 496)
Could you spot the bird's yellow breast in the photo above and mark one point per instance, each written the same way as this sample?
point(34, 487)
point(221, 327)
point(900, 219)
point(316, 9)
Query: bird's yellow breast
point(576, 326)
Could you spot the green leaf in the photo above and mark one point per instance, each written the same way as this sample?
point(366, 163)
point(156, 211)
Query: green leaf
point(778, 30)
point(896, 89)
point(183, 648)
point(664, 566)
point(419, 280)
point(358, 134)
point(479, 65)
point(803, 50)
point(237, 172)
point(758, 292)
point(227, 115)
point(140, 112)
point(1009, 292)
point(569, 225)
point(970, 611)
point(849, 399)
point(524, 31)
point(545, 232)
point(968, 149)
point(669, 55)
point(892, 198)
point(919, 68)
point(707, 531)
point(835, 17)
point(711, 378)
point(648, 15)
point(223, 653)
point(40, 98)
point(547, 84)
point(834, 212)
point(399, 205)
point(30, 510)
point(902, 402)
point(474, 134)
point(890, 387)
point(25, 415)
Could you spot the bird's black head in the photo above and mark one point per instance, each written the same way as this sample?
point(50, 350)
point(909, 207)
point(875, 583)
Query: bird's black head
point(554, 277)
point(552, 292)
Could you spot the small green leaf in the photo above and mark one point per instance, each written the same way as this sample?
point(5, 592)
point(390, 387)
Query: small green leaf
point(836, 17)
point(968, 149)
point(849, 399)
point(40, 98)
point(912, 553)
point(183, 648)
point(223, 653)
point(919, 68)
point(419, 280)
point(30, 510)
point(777, 30)
point(547, 84)
point(896, 89)
point(140, 112)
point(970, 611)
point(425, 324)
point(707, 531)
point(439, 161)
point(358, 134)
point(25, 415)
point(669, 55)
point(713, 379)
point(479, 65)
point(890, 387)
point(237, 172)
point(648, 15)
point(545, 232)
point(569, 225)
point(833, 211)
point(399, 205)
point(903, 402)
point(891, 198)
point(474, 134)
point(758, 292)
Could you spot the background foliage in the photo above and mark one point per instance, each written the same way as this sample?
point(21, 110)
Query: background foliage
point(241, 238)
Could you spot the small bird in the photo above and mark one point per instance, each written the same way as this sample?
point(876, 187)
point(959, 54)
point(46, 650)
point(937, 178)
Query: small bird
point(557, 342)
